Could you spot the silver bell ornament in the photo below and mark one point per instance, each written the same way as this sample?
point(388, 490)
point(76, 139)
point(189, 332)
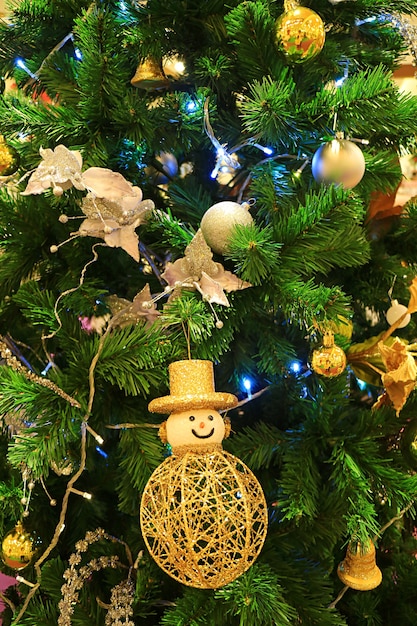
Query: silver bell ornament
point(396, 311)
point(339, 162)
point(219, 221)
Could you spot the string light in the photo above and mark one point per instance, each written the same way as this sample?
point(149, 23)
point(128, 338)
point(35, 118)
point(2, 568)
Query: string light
point(247, 385)
point(295, 367)
point(101, 452)
point(84, 494)
point(22, 65)
point(96, 436)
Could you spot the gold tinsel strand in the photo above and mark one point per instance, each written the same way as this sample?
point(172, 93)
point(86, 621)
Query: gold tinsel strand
point(17, 366)
point(75, 579)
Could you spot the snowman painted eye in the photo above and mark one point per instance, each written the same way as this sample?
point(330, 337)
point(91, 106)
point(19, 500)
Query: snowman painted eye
point(191, 418)
point(211, 418)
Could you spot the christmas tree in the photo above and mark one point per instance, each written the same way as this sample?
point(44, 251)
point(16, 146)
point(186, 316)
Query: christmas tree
point(212, 184)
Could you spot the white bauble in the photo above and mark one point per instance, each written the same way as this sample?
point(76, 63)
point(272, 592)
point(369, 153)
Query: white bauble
point(395, 311)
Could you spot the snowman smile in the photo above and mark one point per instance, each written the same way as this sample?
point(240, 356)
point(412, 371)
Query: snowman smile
point(202, 436)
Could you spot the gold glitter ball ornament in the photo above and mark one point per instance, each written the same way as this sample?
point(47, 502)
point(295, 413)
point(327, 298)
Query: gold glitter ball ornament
point(359, 570)
point(328, 360)
point(9, 159)
point(299, 33)
point(203, 514)
point(338, 162)
point(219, 221)
point(19, 547)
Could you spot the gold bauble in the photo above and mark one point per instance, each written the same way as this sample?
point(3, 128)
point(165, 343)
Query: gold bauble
point(359, 570)
point(339, 162)
point(218, 223)
point(328, 360)
point(203, 517)
point(9, 159)
point(300, 34)
point(19, 548)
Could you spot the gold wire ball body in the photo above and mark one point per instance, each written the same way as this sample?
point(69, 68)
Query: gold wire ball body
point(219, 220)
point(18, 548)
point(300, 34)
point(339, 162)
point(204, 518)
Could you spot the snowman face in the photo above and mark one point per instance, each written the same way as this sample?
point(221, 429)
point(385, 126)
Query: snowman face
point(195, 427)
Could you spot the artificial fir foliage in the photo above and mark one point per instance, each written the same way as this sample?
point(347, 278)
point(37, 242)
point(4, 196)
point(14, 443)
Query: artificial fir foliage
point(106, 279)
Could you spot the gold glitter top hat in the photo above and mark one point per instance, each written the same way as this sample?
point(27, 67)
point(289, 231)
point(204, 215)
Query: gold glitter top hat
point(192, 387)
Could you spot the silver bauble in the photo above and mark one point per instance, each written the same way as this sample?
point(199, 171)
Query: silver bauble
point(339, 162)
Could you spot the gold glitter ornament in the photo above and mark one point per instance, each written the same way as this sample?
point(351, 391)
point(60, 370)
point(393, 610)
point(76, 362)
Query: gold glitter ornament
point(328, 360)
point(19, 547)
point(359, 570)
point(203, 514)
point(9, 158)
point(149, 76)
point(338, 162)
point(219, 221)
point(299, 33)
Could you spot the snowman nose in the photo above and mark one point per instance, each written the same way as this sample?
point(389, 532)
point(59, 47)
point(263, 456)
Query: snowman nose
point(202, 425)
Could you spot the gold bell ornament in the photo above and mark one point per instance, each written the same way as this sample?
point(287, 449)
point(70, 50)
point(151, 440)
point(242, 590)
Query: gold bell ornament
point(338, 162)
point(203, 513)
point(299, 32)
point(19, 547)
point(219, 221)
point(149, 76)
point(358, 569)
point(328, 360)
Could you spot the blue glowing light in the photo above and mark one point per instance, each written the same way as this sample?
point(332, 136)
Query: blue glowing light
point(190, 106)
point(22, 65)
point(339, 82)
point(78, 54)
point(123, 6)
point(247, 384)
point(295, 367)
point(101, 452)
point(268, 151)
point(361, 384)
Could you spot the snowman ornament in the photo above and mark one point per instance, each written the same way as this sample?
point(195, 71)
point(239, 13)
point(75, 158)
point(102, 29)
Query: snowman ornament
point(203, 513)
